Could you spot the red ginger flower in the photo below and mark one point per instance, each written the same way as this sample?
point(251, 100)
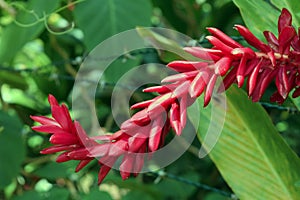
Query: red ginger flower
point(279, 59)
point(67, 136)
point(146, 130)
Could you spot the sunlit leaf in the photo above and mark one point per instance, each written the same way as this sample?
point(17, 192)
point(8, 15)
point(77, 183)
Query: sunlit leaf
point(296, 101)
point(252, 157)
point(169, 49)
point(17, 96)
point(258, 16)
point(14, 36)
point(293, 6)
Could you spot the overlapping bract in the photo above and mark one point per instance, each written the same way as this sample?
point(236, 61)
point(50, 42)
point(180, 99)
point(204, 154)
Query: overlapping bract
point(146, 130)
point(277, 60)
point(67, 136)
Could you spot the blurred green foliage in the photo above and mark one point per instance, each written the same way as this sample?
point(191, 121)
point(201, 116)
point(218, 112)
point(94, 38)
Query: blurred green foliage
point(42, 44)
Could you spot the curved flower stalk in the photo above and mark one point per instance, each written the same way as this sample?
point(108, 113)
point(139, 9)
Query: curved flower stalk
point(146, 130)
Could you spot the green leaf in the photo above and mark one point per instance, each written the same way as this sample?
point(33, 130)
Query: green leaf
point(136, 194)
point(17, 96)
point(32, 55)
point(15, 36)
point(54, 193)
point(54, 170)
point(29, 195)
point(215, 196)
point(12, 148)
point(13, 79)
point(293, 6)
point(101, 19)
point(252, 157)
point(119, 67)
point(173, 189)
point(97, 194)
point(258, 16)
point(296, 101)
point(169, 49)
point(133, 184)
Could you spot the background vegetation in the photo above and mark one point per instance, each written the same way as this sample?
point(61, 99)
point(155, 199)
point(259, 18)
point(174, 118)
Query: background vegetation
point(42, 44)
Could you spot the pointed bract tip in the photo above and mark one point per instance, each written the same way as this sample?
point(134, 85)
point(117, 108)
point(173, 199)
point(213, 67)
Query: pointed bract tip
point(240, 80)
point(52, 100)
point(43, 152)
point(285, 12)
point(211, 29)
point(236, 26)
point(187, 48)
point(124, 175)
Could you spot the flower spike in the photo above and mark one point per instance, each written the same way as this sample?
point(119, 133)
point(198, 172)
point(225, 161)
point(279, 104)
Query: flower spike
point(277, 61)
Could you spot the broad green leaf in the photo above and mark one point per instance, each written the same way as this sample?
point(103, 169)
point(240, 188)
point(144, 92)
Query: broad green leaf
point(15, 36)
point(252, 157)
point(293, 6)
point(101, 19)
point(12, 148)
point(169, 49)
point(258, 16)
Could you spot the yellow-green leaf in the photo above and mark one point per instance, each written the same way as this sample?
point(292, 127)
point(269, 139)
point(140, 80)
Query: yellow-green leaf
point(168, 47)
point(252, 157)
point(14, 36)
point(293, 6)
point(258, 16)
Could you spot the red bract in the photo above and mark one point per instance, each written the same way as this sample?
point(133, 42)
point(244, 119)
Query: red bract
point(278, 60)
point(67, 136)
point(145, 131)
